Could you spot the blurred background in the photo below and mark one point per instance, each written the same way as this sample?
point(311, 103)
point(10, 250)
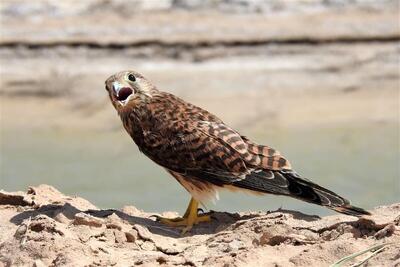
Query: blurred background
point(317, 80)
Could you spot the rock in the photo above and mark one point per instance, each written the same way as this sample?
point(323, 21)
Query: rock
point(42, 223)
point(330, 235)
point(60, 217)
point(109, 235)
point(120, 237)
point(143, 232)
point(85, 233)
point(161, 260)
point(21, 231)
point(131, 235)
point(275, 235)
point(39, 263)
point(279, 238)
point(387, 231)
point(86, 219)
point(114, 222)
point(15, 199)
point(169, 246)
point(147, 245)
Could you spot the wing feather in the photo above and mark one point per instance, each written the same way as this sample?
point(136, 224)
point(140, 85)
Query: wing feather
point(190, 140)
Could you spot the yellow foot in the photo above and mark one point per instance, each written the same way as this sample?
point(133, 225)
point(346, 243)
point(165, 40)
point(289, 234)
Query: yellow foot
point(186, 222)
point(190, 218)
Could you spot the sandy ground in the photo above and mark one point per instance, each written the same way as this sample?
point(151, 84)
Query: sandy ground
point(44, 227)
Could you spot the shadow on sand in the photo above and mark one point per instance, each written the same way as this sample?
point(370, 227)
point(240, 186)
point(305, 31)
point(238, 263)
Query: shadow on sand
point(220, 220)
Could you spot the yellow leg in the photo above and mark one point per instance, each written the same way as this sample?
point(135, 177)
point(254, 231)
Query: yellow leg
point(190, 218)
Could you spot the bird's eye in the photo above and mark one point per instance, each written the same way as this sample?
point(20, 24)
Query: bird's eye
point(131, 77)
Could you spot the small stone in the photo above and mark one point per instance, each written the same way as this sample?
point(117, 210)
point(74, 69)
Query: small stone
point(161, 260)
point(109, 234)
point(60, 217)
point(20, 209)
point(143, 232)
point(102, 238)
point(213, 245)
point(396, 221)
point(387, 231)
point(114, 222)
point(226, 248)
point(275, 235)
point(104, 250)
point(21, 230)
point(272, 240)
point(44, 223)
point(330, 235)
point(235, 245)
point(38, 263)
point(258, 229)
point(15, 199)
point(166, 248)
point(86, 219)
point(138, 262)
point(149, 246)
point(120, 237)
point(227, 239)
point(131, 235)
point(255, 242)
point(94, 249)
point(83, 234)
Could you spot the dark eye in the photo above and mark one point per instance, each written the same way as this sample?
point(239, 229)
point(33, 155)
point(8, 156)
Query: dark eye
point(131, 77)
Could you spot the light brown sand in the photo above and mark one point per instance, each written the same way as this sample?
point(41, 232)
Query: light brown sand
point(43, 227)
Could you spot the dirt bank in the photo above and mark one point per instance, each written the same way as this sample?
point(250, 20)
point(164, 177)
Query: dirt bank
point(43, 227)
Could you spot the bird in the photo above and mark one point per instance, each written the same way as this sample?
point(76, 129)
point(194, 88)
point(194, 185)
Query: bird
point(204, 154)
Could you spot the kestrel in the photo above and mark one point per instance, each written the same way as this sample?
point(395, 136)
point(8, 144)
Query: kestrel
point(203, 153)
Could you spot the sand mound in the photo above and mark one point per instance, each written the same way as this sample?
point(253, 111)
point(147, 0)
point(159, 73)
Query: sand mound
point(43, 227)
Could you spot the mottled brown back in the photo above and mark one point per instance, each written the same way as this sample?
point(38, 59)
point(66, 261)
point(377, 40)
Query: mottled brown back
point(193, 143)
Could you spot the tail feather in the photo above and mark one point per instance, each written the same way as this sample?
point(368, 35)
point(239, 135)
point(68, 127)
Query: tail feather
point(289, 183)
point(351, 210)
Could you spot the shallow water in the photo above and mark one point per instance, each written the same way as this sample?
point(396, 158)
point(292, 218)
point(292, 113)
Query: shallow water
point(361, 162)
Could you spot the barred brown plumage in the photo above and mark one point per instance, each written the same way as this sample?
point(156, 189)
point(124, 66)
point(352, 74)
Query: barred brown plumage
point(204, 154)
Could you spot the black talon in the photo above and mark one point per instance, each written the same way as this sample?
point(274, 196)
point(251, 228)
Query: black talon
point(200, 209)
point(212, 215)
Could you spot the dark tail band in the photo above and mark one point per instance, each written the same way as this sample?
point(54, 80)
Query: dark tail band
point(289, 183)
point(351, 210)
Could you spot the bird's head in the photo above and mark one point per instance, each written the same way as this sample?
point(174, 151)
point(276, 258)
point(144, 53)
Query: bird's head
point(128, 89)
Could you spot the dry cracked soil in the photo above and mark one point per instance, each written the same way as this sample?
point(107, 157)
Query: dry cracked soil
point(43, 227)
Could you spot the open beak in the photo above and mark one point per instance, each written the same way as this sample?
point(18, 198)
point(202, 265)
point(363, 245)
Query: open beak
point(122, 93)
